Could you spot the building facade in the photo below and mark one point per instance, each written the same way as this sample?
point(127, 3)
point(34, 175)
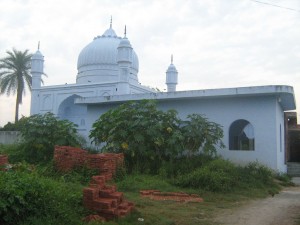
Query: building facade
point(252, 117)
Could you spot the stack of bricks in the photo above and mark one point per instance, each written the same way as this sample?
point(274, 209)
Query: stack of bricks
point(106, 163)
point(3, 160)
point(105, 200)
point(66, 158)
point(99, 197)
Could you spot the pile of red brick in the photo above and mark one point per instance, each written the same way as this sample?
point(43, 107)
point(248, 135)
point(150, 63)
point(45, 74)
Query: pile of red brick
point(3, 160)
point(66, 158)
point(99, 197)
point(105, 200)
point(173, 196)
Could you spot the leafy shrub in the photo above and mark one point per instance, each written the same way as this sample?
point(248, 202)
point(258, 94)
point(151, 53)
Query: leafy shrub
point(148, 136)
point(42, 132)
point(218, 176)
point(256, 174)
point(14, 151)
point(79, 175)
point(199, 133)
point(25, 196)
point(183, 165)
point(145, 135)
point(10, 127)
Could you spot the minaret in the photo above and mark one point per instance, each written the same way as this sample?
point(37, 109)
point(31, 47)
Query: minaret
point(124, 60)
point(37, 70)
point(171, 77)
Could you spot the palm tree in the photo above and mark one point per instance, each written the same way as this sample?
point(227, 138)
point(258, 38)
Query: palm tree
point(15, 75)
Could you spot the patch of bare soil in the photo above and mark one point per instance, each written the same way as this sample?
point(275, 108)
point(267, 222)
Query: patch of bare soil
point(282, 209)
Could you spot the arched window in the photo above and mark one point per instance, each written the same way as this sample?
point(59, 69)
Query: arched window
point(241, 135)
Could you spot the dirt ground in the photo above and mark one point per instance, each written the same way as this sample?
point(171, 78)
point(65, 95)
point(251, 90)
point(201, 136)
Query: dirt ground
point(282, 209)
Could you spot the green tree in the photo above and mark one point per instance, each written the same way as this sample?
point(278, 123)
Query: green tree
point(200, 133)
point(41, 133)
point(15, 75)
point(9, 127)
point(148, 136)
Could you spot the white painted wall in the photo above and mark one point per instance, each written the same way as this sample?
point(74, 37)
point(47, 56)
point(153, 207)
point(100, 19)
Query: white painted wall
point(280, 141)
point(10, 137)
point(259, 111)
point(263, 112)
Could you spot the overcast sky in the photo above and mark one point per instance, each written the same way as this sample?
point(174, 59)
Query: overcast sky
point(215, 43)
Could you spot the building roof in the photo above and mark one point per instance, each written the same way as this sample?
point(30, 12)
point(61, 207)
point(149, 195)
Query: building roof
point(284, 94)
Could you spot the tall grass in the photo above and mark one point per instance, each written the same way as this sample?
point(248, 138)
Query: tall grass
point(39, 194)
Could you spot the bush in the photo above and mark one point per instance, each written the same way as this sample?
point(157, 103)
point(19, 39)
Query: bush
point(10, 127)
point(42, 132)
point(183, 165)
point(257, 175)
point(148, 136)
point(218, 176)
point(79, 175)
point(14, 152)
point(26, 196)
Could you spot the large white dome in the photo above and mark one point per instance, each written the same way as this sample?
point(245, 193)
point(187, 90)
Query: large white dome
point(97, 62)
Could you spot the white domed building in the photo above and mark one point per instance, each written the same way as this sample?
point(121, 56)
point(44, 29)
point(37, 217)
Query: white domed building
point(107, 66)
point(253, 118)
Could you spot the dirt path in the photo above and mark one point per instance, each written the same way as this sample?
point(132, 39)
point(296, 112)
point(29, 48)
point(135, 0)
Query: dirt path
point(282, 209)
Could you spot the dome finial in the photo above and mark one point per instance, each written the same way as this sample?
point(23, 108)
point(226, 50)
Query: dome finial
point(39, 45)
point(110, 26)
point(172, 59)
point(125, 31)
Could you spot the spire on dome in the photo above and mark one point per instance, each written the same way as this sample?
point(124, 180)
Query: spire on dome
point(39, 45)
point(109, 32)
point(172, 59)
point(125, 31)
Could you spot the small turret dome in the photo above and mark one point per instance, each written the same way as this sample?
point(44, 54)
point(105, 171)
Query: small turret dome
point(172, 68)
point(37, 55)
point(97, 62)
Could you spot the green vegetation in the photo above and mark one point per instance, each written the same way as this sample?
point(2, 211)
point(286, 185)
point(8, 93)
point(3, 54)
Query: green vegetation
point(40, 133)
point(28, 197)
point(148, 137)
point(161, 152)
point(10, 127)
point(41, 195)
